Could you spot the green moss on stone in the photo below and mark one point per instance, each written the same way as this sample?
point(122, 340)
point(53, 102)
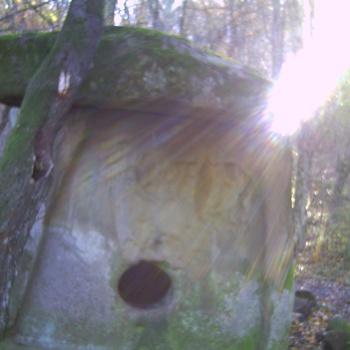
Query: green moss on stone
point(140, 65)
point(247, 343)
point(288, 282)
point(282, 342)
point(22, 53)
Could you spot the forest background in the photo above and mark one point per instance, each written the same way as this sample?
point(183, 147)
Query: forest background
point(262, 34)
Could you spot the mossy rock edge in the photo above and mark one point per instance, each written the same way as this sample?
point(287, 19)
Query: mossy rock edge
point(140, 69)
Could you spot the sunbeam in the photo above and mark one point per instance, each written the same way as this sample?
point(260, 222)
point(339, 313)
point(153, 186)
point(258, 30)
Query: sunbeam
point(308, 78)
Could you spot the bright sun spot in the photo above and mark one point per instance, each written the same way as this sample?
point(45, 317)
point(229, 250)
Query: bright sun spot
point(307, 79)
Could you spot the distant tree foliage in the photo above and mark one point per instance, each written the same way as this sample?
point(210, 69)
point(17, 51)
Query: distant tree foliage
point(322, 188)
point(244, 30)
point(258, 33)
point(29, 15)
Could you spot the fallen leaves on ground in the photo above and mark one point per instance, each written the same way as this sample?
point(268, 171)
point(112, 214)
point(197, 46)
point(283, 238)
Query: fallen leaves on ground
point(328, 281)
point(308, 334)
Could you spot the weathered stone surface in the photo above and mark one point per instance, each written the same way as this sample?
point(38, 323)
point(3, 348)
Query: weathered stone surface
point(178, 175)
point(139, 69)
point(172, 191)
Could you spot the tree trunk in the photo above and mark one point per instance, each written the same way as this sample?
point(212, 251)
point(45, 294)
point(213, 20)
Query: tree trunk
point(312, 16)
point(182, 31)
point(109, 12)
point(4, 119)
point(277, 38)
point(342, 174)
point(155, 13)
point(233, 30)
point(302, 186)
point(26, 158)
point(167, 15)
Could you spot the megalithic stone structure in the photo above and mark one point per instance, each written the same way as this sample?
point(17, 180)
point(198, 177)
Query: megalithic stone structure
point(168, 223)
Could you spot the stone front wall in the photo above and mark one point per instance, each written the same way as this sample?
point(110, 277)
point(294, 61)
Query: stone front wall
point(164, 171)
point(178, 193)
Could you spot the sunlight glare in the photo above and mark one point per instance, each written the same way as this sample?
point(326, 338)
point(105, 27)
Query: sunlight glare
point(308, 78)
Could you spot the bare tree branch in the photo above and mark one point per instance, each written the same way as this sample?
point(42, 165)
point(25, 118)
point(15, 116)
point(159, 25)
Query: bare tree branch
point(30, 7)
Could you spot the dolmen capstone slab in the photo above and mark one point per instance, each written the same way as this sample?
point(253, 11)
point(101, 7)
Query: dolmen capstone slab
point(168, 222)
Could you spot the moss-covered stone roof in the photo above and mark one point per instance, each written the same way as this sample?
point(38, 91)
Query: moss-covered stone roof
point(140, 69)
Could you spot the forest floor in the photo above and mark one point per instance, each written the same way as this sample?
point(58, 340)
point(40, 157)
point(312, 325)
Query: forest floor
point(328, 277)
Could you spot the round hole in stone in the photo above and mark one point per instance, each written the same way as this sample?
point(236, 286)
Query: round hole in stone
point(144, 285)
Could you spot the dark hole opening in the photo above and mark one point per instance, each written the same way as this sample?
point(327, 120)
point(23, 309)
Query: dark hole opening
point(144, 285)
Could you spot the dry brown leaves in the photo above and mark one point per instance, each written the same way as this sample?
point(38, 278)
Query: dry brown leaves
point(308, 334)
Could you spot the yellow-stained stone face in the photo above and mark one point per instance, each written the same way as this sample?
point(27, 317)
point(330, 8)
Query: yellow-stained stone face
point(165, 192)
point(198, 206)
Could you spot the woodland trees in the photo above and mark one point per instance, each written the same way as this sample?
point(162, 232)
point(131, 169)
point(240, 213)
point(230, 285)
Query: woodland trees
point(257, 33)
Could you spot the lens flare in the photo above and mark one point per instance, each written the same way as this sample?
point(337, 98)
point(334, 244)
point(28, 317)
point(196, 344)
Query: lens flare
point(308, 78)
